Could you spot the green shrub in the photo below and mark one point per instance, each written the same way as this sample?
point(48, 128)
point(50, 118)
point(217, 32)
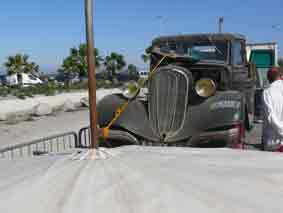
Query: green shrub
point(4, 91)
point(99, 84)
point(79, 86)
point(50, 89)
point(107, 84)
point(20, 95)
point(29, 94)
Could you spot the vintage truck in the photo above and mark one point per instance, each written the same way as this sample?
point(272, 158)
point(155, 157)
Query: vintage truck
point(202, 93)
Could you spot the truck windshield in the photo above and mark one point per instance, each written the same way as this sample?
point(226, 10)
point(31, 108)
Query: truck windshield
point(206, 50)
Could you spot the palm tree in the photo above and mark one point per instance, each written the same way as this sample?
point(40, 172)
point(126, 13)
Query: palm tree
point(20, 64)
point(31, 68)
point(76, 62)
point(69, 67)
point(113, 63)
point(145, 57)
point(132, 68)
point(79, 57)
point(133, 72)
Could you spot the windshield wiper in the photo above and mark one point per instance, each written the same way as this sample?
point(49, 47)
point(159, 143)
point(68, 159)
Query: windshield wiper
point(175, 55)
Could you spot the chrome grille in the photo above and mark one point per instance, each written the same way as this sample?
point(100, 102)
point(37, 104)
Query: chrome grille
point(168, 99)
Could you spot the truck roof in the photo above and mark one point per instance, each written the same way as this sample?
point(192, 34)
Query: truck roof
point(201, 36)
point(261, 44)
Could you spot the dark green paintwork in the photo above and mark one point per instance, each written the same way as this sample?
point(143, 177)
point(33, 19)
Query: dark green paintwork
point(262, 58)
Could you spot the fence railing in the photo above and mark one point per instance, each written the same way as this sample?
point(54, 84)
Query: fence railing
point(47, 145)
point(84, 137)
point(60, 143)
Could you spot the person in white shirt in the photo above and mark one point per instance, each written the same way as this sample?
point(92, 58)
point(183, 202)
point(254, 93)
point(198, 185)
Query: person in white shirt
point(272, 132)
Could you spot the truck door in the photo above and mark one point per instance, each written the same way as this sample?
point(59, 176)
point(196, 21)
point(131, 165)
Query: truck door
point(242, 78)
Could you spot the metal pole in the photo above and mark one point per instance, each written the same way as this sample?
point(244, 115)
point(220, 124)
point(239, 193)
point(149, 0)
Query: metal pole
point(220, 24)
point(91, 71)
point(276, 27)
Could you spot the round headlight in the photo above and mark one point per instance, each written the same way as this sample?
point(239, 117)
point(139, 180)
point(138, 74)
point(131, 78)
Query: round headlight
point(205, 87)
point(131, 90)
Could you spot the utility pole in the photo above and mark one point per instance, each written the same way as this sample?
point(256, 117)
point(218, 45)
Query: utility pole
point(91, 72)
point(276, 27)
point(220, 24)
point(163, 20)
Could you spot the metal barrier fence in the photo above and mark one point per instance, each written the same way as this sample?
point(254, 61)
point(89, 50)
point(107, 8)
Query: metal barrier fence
point(47, 145)
point(84, 137)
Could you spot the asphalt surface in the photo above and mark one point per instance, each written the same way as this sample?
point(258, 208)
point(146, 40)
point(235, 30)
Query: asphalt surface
point(23, 132)
point(144, 179)
point(254, 136)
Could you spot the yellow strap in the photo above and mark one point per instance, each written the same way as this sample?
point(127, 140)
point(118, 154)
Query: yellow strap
point(121, 109)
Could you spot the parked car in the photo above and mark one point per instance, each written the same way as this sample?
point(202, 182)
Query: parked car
point(2, 80)
point(22, 79)
point(143, 74)
point(201, 94)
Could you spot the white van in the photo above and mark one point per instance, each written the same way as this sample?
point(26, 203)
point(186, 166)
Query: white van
point(22, 79)
point(143, 74)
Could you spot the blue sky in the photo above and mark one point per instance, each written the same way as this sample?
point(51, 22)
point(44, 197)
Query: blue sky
point(46, 29)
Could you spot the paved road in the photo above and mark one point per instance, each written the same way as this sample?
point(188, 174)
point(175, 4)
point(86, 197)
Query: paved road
point(145, 180)
point(254, 136)
point(46, 126)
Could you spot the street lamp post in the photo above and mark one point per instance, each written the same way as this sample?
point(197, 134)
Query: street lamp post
point(91, 71)
point(163, 20)
point(220, 24)
point(276, 27)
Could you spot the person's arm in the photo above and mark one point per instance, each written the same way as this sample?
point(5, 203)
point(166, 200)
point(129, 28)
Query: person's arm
point(270, 113)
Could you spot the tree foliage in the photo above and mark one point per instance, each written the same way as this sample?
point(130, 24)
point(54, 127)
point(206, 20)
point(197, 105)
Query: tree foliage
point(133, 70)
point(20, 63)
point(113, 63)
point(76, 62)
point(280, 62)
point(145, 57)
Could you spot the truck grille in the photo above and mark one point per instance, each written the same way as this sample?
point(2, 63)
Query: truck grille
point(168, 100)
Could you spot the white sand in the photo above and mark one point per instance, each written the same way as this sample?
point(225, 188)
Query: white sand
point(44, 126)
point(18, 106)
point(145, 180)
